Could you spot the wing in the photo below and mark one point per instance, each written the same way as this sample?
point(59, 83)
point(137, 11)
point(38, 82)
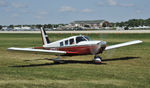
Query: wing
point(123, 44)
point(53, 52)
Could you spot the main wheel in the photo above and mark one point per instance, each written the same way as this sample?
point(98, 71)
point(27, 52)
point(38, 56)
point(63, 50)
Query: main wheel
point(97, 59)
point(57, 62)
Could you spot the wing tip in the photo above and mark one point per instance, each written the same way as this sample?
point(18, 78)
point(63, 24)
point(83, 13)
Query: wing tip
point(139, 41)
point(10, 48)
point(123, 44)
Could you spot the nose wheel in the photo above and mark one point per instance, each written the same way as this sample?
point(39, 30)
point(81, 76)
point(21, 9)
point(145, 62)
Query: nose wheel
point(97, 59)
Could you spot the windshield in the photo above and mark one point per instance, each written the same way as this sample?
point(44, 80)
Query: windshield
point(87, 38)
point(79, 39)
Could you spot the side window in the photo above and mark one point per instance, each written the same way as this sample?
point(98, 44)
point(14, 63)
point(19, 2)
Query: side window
point(66, 42)
point(71, 41)
point(61, 44)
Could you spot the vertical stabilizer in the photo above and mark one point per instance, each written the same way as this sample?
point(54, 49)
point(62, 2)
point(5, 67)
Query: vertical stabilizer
point(44, 37)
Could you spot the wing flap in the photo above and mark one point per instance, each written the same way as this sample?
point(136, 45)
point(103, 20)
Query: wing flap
point(53, 52)
point(123, 44)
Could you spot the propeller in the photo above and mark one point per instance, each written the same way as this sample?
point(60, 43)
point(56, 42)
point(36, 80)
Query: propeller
point(96, 49)
point(109, 53)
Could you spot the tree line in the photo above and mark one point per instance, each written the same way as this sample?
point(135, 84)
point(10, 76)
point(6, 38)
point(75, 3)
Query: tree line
point(132, 23)
point(129, 23)
point(38, 26)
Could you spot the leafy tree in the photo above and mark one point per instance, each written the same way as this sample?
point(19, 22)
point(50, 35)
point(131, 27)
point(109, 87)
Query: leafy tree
point(104, 25)
point(49, 26)
point(45, 25)
point(1, 27)
point(33, 26)
point(55, 25)
point(133, 23)
point(11, 26)
point(147, 22)
point(38, 26)
point(86, 26)
point(121, 24)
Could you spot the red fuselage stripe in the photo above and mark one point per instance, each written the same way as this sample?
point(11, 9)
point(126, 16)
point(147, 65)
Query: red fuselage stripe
point(76, 50)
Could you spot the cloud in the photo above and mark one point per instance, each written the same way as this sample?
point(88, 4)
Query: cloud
point(6, 10)
point(67, 9)
point(87, 10)
point(18, 5)
point(15, 15)
point(138, 11)
point(100, 3)
point(112, 2)
point(3, 3)
point(24, 11)
point(41, 15)
point(127, 5)
point(38, 17)
point(43, 12)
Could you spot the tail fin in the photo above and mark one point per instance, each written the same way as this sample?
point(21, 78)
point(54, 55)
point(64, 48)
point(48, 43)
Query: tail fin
point(44, 37)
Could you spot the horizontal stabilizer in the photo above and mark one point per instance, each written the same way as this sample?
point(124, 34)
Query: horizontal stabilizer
point(123, 44)
point(53, 52)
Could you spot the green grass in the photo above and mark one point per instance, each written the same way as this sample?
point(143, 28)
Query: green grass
point(126, 67)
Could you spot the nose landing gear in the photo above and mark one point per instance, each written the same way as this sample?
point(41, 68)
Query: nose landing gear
point(97, 59)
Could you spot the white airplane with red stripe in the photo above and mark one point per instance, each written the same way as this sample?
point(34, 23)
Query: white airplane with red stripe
point(72, 46)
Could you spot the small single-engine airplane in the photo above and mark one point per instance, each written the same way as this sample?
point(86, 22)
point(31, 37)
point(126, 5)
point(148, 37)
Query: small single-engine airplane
point(74, 45)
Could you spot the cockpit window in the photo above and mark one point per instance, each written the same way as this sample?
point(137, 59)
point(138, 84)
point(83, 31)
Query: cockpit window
point(87, 38)
point(79, 39)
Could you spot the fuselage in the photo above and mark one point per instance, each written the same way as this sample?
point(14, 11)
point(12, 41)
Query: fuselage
point(77, 45)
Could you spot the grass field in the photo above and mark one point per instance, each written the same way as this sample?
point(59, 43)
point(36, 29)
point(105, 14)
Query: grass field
point(126, 67)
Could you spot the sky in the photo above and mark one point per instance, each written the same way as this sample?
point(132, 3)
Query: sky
point(65, 11)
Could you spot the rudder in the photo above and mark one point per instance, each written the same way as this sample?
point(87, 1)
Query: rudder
point(44, 36)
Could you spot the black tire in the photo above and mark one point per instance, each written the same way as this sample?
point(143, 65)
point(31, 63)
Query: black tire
point(98, 57)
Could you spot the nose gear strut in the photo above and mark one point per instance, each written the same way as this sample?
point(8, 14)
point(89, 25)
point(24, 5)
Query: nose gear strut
point(97, 59)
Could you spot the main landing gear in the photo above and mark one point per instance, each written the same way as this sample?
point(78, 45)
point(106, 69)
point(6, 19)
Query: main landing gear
point(57, 60)
point(97, 59)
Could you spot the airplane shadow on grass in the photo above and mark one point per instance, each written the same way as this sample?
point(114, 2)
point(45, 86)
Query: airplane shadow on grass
point(73, 62)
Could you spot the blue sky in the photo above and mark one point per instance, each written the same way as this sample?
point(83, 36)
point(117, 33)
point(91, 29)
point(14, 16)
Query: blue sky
point(65, 11)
